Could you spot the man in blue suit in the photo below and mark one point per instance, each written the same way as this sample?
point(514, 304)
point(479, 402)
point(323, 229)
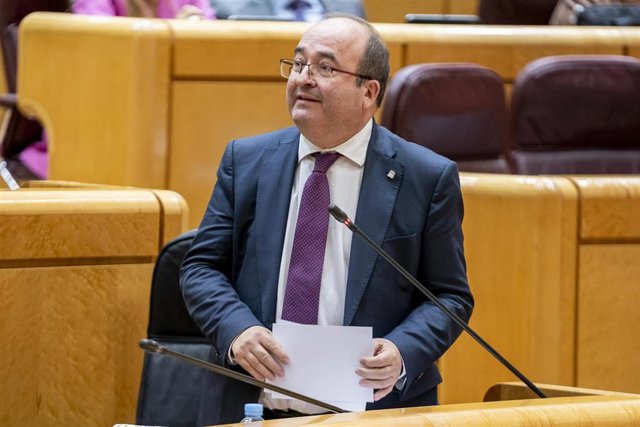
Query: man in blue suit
point(238, 272)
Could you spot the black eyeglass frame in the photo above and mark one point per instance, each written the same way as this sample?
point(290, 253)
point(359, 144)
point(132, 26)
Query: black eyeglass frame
point(291, 63)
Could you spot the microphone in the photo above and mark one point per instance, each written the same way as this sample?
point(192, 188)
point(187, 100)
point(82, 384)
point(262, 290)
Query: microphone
point(342, 217)
point(154, 347)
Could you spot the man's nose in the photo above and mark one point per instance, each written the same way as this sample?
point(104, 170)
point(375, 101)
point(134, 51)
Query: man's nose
point(304, 76)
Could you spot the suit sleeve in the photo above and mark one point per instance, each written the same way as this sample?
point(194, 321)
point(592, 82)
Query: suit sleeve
point(427, 332)
point(206, 273)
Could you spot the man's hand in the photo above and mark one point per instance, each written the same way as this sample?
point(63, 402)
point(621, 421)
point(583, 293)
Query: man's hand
point(259, 353)
point(381, 371)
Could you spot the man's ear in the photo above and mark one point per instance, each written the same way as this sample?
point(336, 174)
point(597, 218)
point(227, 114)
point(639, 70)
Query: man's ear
point(371, 94)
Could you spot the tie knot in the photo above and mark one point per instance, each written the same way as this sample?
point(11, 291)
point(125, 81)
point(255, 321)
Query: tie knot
point(324, 161)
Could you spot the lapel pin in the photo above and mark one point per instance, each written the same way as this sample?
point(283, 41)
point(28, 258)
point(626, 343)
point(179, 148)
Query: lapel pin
point(391, 174)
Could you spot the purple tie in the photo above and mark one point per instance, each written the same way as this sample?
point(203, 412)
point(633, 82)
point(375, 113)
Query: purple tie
point(302, 295)
point(298, 7)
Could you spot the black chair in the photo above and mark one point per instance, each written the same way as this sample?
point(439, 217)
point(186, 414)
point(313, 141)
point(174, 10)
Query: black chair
point(171, 390)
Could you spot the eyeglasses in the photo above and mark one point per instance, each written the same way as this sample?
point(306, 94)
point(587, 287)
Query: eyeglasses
point(289, 67)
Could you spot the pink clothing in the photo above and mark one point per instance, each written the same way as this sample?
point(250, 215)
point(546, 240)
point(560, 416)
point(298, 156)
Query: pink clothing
point(166, 8)
point(35, 158)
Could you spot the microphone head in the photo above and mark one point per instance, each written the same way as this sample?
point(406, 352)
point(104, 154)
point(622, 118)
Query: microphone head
point(150, 346)
point(338, 214)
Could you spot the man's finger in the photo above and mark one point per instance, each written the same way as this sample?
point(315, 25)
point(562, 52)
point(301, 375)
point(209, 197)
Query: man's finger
point(379, 394)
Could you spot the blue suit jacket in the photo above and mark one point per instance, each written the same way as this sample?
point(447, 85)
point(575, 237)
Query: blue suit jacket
point(230, 275)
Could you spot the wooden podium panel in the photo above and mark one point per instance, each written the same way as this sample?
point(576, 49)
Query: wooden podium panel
point(70, 334)
point(520, 248)
point(75, 274)
point(608, 336)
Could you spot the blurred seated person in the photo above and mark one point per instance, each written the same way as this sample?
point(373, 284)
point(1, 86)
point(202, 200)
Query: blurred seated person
point(566, 11)
point(169, 9)
point(294, 10)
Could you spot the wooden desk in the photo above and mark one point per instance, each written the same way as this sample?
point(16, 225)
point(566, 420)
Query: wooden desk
point(565, 411)
point(75, 274)
point(520, 246)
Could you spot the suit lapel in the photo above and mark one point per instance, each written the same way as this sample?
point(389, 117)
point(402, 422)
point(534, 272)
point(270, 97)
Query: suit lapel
point(377, 199)
point(272, 208)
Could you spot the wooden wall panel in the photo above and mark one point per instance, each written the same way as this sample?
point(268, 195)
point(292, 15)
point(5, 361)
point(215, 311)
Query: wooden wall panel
point(394, 11)
point(70, 343)
point(222, 111)
point(608, 335)
point(233, 50)
point(230, 50)
point(462, 7)
point(507, 55)
point(521, 248)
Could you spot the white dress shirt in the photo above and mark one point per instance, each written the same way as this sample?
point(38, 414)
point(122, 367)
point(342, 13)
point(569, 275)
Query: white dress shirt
point(345, 177)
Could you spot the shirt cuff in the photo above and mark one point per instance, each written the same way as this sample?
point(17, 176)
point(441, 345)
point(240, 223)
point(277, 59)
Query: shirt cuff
point(233, 362)
point(402, 379)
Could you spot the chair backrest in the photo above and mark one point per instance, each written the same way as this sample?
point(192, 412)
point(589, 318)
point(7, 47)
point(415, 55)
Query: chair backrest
point(577, 115)
point(456, 109)
point(13, 11)
point(170, 390)
point(516, 12)
point(20, 132)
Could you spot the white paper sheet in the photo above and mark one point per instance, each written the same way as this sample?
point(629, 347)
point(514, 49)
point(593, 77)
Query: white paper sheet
point(323, 360)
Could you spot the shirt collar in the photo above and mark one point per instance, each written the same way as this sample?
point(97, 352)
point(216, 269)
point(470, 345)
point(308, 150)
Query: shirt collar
point(354, 149)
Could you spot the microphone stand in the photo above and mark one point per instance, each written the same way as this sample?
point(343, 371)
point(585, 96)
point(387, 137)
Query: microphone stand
point(154, 347)
point(342, 217)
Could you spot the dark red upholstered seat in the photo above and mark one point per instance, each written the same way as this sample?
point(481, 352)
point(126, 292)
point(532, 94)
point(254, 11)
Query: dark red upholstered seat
point(455, 109)
point(516, 12)
point(577, 115)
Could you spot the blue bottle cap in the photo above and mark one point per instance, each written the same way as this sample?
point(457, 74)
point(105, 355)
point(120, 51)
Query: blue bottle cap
point(253, 409)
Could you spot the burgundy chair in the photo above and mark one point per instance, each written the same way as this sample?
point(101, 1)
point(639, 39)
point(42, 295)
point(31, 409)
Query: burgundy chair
point(516, 12)
point(20, 131)
point(455, 109)
point(577, 115)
